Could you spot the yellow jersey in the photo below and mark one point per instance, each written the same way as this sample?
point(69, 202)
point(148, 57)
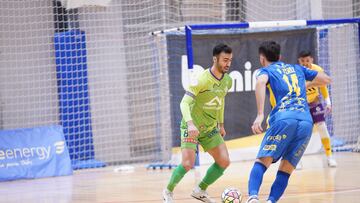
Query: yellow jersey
point(313, 94)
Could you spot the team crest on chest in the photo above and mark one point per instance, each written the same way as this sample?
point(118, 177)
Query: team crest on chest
point(214, 104)
point(216, 101)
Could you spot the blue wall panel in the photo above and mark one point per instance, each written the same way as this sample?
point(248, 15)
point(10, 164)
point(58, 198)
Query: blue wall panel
point(73, 93)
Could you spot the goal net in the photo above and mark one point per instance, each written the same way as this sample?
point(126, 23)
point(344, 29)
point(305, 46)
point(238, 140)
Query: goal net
point(339, 55)
point(336, 49)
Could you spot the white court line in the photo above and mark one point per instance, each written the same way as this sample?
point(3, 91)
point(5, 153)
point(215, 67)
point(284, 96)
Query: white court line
point(311, 194)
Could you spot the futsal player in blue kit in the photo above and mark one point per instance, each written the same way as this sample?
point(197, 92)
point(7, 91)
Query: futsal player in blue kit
point(289, 123)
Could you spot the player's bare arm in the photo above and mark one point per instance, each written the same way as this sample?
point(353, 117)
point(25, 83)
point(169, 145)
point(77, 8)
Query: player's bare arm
point(320, 80)
point(260, 93)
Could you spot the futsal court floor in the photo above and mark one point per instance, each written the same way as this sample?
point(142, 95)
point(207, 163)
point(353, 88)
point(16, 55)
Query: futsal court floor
point(314, 183)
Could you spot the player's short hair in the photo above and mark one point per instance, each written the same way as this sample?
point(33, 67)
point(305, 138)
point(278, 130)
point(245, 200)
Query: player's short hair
point(271, 50)
point(304, 53)
point(218, 49)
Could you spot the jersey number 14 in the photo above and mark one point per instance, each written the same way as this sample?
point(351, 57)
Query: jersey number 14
point(294, 85)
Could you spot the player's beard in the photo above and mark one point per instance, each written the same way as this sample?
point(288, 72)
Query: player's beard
point(221, 69)
point(225, 69)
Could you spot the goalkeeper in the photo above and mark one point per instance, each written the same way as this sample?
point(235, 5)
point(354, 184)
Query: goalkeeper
point(316, 108)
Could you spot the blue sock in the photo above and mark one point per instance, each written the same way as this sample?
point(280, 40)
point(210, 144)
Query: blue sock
point(256, 177)
point(279, 186)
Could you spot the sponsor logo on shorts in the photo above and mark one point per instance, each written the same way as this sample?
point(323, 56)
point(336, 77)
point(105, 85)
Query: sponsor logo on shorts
point(318, 111)
point(276, 138)
point(190, 140)
point(213, 132)
point(302, 149)
point(269, 147)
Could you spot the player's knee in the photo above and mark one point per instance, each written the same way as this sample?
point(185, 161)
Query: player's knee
point(286, 166)
point(225, 162)
point(187, 164)
point(266, 161)
point(322, 129)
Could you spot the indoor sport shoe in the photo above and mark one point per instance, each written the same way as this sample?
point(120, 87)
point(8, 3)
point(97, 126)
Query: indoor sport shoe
point(201, 195)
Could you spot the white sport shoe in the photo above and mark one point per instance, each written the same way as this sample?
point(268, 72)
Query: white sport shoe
point(269, 201)
point(201, 195)
point(253, 199)
point(331, 162)
point(167, 196)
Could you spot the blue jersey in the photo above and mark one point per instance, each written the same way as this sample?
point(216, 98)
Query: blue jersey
point(287, 91)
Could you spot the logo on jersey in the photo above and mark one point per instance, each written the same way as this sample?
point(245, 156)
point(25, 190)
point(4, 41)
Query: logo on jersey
point(214, 104)
point(311, 90)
